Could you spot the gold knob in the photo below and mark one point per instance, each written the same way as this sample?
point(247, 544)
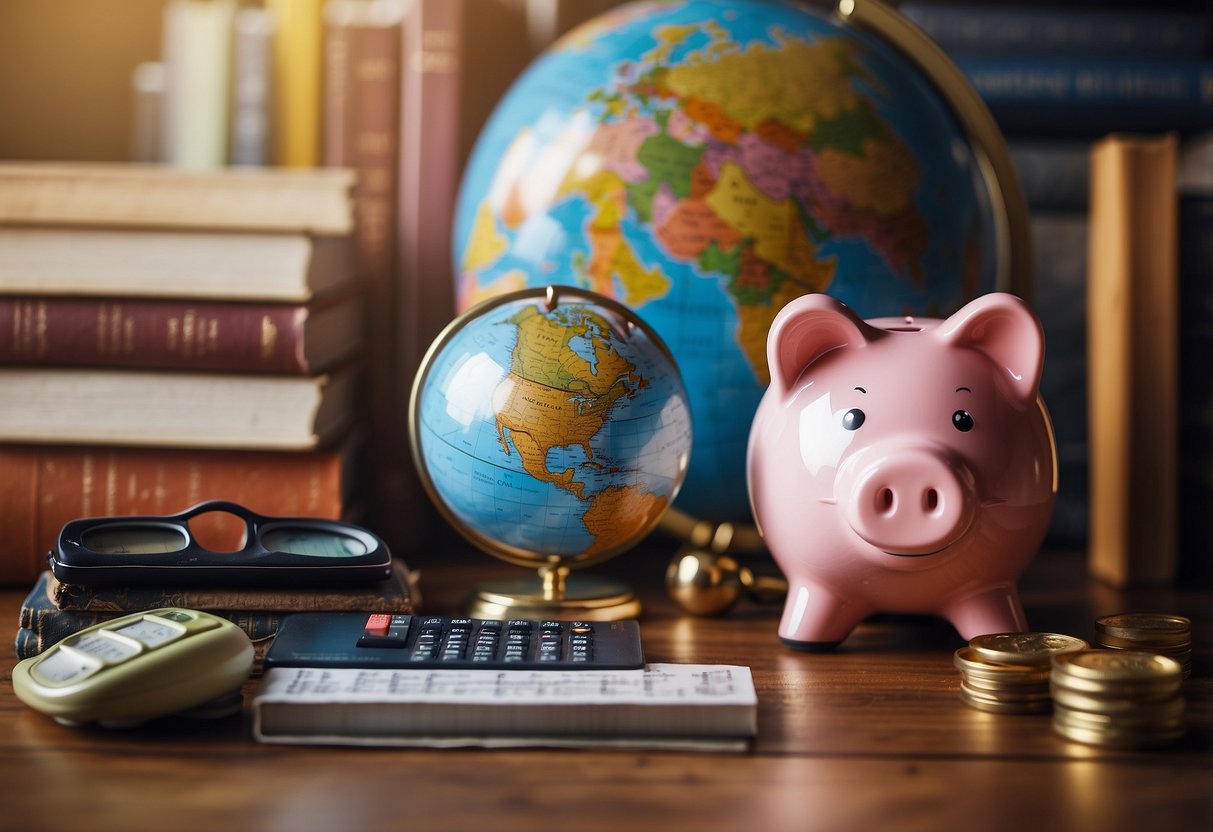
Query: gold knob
point(707, 583)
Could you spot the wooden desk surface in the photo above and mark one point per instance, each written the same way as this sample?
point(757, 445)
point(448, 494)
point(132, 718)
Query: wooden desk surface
point(870, 737)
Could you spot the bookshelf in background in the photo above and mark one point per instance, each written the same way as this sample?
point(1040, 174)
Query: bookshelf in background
point(165, 409)
point(1058, 77)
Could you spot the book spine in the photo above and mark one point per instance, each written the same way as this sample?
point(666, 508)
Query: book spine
point(1055, 175)
point(1132, 303)
point(197, 52)
point(49, 627)
point(298, 79)
point(982, 29)
point(43, 488)
point(1059, 258)
point(1196, 386)
point(153, 334)
point(101, 195)
point(429, 171)
point(1092, 95)
point(147, 105)
point(362, 132)
point(252, 86)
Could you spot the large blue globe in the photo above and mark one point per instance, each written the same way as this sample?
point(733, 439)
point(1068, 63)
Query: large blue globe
point(704, 163)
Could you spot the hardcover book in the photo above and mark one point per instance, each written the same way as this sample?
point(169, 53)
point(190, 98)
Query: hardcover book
point(314, 201)
point(1132, 353)
point(291, 339)
point(178, 410)
point(53, 610)
point(45, 487)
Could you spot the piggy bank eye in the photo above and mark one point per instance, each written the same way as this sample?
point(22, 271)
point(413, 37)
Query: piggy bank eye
point(962, 420)
point(852, 419)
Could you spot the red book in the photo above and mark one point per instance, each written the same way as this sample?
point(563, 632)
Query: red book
point(181, 334)
point(362, 132)
point(43, 487)
point(429, 173)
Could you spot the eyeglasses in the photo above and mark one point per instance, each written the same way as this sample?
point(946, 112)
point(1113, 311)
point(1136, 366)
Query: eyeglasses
point(162, 550)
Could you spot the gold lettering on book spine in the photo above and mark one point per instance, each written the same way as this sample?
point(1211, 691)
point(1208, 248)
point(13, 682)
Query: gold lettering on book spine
point(269, 337)
point(30, 328)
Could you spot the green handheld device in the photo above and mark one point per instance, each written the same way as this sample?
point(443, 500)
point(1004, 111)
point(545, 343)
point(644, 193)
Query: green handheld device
point(138, 667)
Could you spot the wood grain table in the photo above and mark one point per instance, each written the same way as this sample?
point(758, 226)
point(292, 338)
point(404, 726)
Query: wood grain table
point(870, 737)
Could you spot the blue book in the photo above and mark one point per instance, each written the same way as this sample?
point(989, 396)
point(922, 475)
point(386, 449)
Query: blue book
point(43, 624)
point(1073, 31)
point(1055, 175)
point(1092, 96)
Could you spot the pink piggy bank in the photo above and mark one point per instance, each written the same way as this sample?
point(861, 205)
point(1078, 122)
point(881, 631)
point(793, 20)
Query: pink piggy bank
point(902, 465)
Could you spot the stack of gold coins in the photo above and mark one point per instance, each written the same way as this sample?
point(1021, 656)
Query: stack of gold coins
point(1008, 673)
point(1169, 635)
point(1118, 698)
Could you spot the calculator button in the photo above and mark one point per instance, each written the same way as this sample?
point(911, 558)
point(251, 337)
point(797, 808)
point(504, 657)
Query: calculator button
point(61, 667)
point(383, 630)
point(377, 625)
point(151, 631)
point(104, 647)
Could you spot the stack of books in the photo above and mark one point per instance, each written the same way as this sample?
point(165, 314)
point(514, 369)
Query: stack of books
point(171, 337)
point(54, 610)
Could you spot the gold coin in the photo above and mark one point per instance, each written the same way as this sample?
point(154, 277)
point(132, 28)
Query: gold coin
point(1117, 666)
point(1004, 695)
point(996, 706)
point(1169, 715)
point(1097, 704)
point(1011, 688)
point(1150, 646)
point(1144, 625)
point(1152, 689)
point(1024, 648)
point(971, 665)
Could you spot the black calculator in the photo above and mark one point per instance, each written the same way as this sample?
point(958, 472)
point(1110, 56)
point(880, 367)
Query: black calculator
point(398, 641)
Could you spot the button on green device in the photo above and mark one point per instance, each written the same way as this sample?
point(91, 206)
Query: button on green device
point(138, 667)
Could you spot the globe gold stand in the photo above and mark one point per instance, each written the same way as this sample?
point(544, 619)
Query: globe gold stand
point(554, 594)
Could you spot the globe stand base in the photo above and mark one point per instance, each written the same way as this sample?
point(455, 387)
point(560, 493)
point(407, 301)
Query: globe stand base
point(584, 598)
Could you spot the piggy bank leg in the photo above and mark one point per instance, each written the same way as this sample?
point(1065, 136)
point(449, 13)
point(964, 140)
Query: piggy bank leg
point(816, 619)
point(995, 610)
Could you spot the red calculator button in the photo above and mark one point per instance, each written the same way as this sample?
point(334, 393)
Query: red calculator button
point(377, 625)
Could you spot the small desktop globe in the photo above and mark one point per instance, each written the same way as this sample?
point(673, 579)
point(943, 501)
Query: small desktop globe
point(551, 427)
point(706, 162)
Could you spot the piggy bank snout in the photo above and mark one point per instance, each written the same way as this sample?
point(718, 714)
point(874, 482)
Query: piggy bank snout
point(907, 501)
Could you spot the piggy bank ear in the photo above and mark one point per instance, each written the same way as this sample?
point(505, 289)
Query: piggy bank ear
point(1002, 327)
point(805, 330)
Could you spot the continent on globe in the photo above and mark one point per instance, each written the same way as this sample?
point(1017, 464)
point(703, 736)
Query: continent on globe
point(706, 162)
point(554, 396)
